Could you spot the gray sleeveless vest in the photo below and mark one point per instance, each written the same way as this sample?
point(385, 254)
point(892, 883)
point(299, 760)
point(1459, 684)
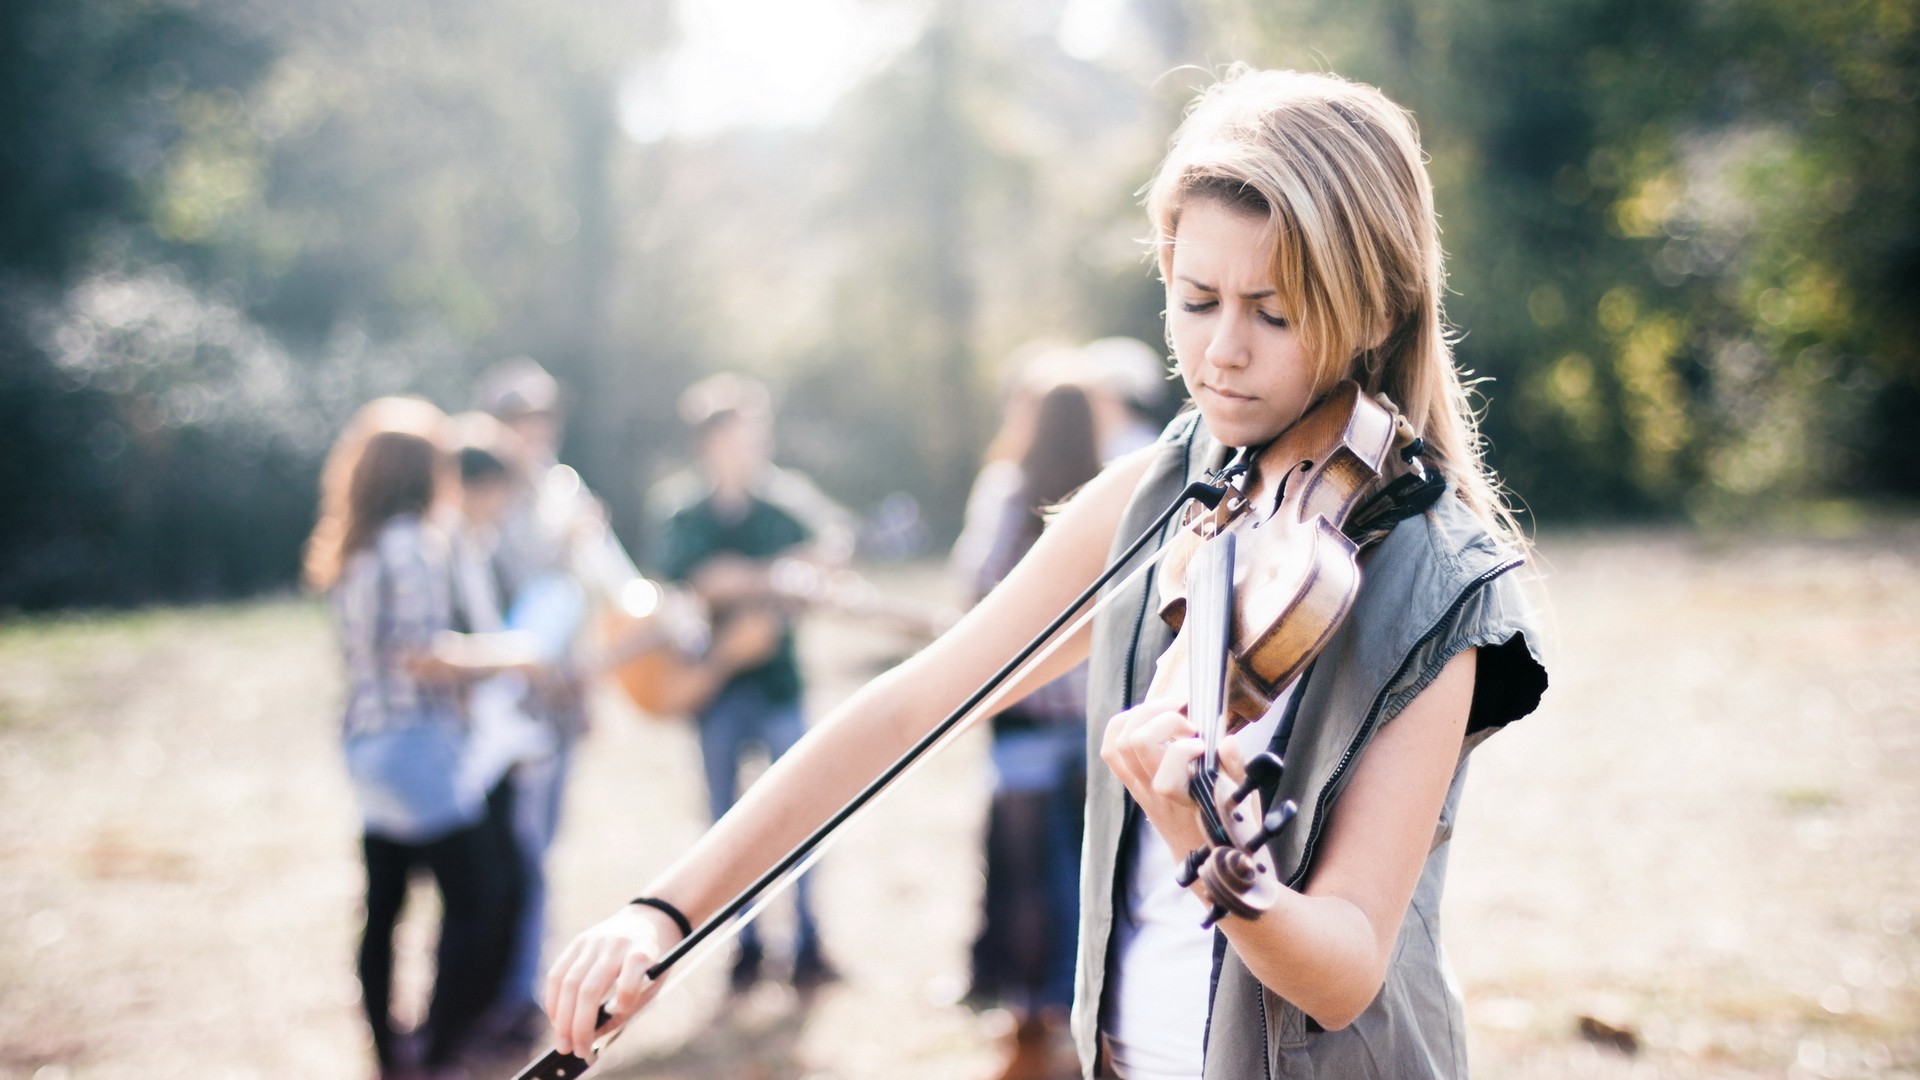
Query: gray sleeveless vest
point(1434, 587)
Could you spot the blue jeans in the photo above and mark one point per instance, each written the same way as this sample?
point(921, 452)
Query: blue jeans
point(742, 716)
point(1024, 955)
point(537, 790)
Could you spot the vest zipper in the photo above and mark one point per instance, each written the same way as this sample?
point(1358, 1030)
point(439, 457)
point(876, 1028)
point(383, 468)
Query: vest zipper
point(1266, 1037)
point(1373, 715)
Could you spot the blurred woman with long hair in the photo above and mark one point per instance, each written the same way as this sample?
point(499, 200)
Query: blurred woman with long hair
point(1023, 956)
point(381, 554)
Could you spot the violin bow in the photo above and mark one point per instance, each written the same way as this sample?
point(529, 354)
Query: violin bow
point(734, 916)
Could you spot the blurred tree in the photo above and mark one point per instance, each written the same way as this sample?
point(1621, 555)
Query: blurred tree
point(1682, 233)
point(120, 475)
point(1684, 236)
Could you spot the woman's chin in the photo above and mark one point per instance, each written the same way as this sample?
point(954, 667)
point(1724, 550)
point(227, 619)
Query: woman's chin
point(1237, 431)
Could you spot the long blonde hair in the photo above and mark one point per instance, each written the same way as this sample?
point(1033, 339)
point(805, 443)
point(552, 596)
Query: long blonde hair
point(1337, 170)
point(389, 460)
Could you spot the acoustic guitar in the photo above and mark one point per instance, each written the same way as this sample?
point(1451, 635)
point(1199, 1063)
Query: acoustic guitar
point(663, 649)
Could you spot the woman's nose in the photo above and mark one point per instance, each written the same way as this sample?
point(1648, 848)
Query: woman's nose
point(1227, 347)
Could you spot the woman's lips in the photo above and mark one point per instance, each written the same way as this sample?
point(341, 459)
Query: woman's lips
point(1230, 395)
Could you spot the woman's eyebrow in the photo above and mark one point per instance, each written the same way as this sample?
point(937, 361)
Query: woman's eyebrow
point(1204, 287)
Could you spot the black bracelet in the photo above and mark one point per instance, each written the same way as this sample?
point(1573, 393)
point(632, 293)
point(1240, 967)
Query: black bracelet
point(679, 918)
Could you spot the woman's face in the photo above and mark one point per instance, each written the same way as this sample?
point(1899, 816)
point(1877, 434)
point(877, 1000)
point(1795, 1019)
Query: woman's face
point(1238, 351)
point(485, 502)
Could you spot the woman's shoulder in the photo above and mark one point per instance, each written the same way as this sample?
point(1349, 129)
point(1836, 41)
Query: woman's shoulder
point(410, 541)
point(402, 534)
point(1458, 585)
point(401, 542)
point(1449, 545)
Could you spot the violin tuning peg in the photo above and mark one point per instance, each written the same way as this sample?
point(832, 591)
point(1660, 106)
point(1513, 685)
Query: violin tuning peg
point(1275, 820)
point(1262, 771)
point(1189, 871)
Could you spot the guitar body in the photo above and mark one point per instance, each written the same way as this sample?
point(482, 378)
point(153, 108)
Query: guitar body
point(666, 651)
point(653, 642)
point(661, 681)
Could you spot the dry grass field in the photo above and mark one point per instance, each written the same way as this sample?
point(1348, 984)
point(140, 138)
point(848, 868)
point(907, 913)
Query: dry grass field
point(1706, 840)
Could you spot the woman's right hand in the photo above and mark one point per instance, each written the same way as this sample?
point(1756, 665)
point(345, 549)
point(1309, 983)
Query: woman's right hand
point(606, 965)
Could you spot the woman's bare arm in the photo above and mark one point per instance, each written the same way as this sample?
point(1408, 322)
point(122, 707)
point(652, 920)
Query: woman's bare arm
point(465, 657)
point(850, 747)
point(1326, 948)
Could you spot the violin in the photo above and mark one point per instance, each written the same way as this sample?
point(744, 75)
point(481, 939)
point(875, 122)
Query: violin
point(1255, 587)
point(1264, 567)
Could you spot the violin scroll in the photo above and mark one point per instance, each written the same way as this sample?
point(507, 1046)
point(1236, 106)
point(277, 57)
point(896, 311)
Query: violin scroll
point(1235, 871)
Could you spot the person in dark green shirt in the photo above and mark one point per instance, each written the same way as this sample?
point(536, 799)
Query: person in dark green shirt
point(727, 531)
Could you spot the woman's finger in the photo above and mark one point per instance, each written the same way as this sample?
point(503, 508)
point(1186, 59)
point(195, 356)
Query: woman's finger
point(1124, 723)
point(628, 988)
point(1170, 777)
point(1149, 739)
point(593, 990)
point(565, 991)
point(1233, 762)
point(557, 974)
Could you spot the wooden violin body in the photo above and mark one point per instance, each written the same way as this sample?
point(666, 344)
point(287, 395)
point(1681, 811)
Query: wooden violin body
point(1297, 573)
point(1291, 575)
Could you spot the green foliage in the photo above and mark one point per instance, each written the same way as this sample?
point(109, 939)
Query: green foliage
point(1683, 241)
point(1683, 234)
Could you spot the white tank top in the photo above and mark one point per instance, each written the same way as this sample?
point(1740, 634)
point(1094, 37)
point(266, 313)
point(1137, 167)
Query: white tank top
point(1165, 958)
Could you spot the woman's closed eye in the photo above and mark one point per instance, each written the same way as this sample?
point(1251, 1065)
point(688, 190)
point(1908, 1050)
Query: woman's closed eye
point(1200, 307)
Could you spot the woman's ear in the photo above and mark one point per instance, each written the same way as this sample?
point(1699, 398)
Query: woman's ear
point(1369, 363)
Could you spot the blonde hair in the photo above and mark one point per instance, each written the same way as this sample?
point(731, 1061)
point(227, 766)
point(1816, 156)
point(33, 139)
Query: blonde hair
point(1337, 171)
point(388, 460)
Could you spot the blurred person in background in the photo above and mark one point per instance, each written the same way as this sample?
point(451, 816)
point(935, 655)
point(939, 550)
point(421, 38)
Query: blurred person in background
point(382, 551)
point(1024, 955)
point(1295, 235)
point(503, 711)
point(553, 557)
point(1127, 380)
point(1026, 374)
point(727, 529)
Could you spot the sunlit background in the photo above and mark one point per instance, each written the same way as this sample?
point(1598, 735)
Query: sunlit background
point(1684, 241)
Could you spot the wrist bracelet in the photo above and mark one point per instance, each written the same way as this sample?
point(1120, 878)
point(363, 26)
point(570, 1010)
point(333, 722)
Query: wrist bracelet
point(679, 918)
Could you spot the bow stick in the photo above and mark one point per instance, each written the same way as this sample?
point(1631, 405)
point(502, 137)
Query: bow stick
point(733, 917)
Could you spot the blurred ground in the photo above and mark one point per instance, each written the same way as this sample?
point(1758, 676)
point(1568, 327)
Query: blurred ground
point(1705, 839)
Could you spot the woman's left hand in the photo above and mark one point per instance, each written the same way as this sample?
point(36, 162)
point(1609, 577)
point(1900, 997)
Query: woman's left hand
point(1152, 748)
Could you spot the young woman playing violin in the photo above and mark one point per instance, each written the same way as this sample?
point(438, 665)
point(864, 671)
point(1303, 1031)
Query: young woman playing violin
point(1296, 235)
